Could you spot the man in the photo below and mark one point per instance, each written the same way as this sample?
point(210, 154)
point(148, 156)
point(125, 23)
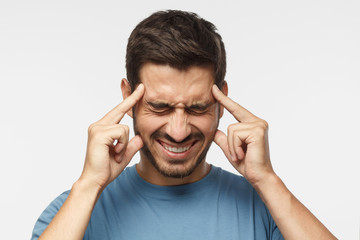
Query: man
point(176, 94)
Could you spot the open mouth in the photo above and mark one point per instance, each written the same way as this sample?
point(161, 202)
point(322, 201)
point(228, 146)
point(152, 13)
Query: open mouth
point(177, 150)
point(174, 149)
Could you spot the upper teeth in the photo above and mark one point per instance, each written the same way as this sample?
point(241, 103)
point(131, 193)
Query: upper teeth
point(177, 150)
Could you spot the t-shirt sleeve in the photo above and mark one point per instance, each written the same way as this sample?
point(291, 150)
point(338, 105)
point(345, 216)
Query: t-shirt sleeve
point(47, 215)
point(276, 235)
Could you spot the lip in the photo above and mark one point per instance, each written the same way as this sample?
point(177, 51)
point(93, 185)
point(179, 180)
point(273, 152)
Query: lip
point(176, 155)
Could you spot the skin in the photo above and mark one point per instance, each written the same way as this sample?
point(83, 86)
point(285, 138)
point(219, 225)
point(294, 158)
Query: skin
point(104, 161)
point(245, 145)
point(177, 110)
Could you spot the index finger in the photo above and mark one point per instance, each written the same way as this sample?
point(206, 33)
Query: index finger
point(117, 113)
point(240, 113)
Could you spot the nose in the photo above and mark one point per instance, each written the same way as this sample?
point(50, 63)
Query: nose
point(178, 127)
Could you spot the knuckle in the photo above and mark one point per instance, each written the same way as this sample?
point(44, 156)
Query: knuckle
point(263, 124)
point(95, 131)
point(125, 129)
point(261, 130)
point(232, 127)
point(92, 128)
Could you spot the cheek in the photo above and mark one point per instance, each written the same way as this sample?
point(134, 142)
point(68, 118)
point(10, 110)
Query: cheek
point(147, 123)
point(209, 123)
point(206, 124)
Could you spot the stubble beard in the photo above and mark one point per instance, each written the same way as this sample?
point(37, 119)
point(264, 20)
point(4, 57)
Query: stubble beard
point(173, 171)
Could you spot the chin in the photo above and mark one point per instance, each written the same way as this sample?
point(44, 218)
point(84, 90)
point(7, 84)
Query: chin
point(174, 168)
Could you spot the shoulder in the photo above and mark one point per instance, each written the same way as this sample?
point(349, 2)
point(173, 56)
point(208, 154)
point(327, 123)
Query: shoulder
point(55, 205)
point(48, 214)
point(236, 187)
point(235, 190)
point(122, 183)
point(231, 180)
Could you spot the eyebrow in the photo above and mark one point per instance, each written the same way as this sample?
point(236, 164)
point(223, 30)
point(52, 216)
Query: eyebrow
point(197, 106)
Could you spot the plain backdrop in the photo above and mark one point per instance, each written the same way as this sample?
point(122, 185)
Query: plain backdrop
point(295, 64)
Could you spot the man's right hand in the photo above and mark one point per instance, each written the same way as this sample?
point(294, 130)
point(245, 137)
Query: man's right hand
point(109, 150)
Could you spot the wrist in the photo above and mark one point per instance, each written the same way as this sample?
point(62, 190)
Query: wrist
point(270, 186)
point(263, 180)
point(87, 188)
point(275, 196)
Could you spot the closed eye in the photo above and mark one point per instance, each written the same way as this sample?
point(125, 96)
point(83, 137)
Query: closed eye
point(159, 107)
point(198, 109)
point(161, 110)
point(164, 108)
point(195, 112)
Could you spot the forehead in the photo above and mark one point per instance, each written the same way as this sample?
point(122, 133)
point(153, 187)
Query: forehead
point(175, 86)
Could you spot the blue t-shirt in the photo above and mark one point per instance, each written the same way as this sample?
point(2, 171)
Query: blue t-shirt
point(222, 205)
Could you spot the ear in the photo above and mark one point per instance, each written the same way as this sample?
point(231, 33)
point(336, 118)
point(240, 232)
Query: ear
point(224, 89)
point(126, 92)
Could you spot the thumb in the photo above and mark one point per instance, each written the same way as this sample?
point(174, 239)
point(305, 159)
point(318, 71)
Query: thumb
point(221, 140)
point(134, 145)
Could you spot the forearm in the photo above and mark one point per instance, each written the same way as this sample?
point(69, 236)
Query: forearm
point(73, 217)
point(293, 219)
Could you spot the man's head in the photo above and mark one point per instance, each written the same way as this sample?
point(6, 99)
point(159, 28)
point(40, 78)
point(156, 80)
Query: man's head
point(178, 39)
point(178, 57)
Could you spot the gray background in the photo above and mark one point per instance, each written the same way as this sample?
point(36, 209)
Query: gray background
point(293, 63)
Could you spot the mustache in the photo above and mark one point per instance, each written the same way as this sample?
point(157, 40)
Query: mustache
point(196, 135)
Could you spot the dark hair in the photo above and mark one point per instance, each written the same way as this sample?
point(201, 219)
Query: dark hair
point(177, 38)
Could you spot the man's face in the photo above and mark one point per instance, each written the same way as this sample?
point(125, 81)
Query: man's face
point(177, 117)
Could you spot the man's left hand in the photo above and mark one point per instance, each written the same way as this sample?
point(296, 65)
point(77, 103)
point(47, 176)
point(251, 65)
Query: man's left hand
point(246, 143)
